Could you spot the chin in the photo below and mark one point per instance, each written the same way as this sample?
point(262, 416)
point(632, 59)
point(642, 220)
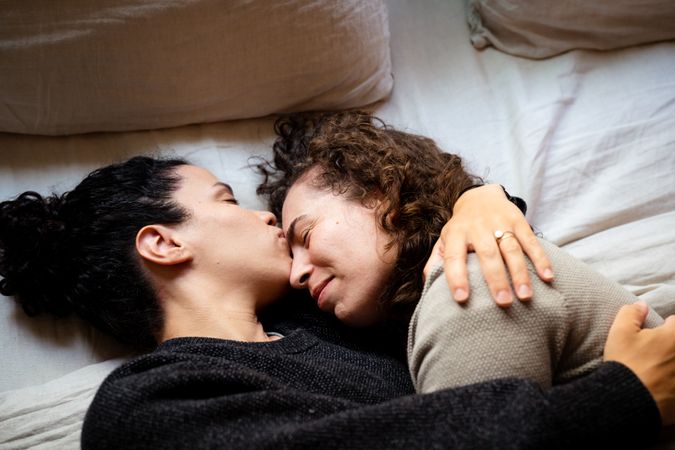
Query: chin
point(366, 315)
point(356, 319)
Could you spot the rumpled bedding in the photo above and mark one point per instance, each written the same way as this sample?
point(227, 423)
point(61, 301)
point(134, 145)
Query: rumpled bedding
point(586, 138)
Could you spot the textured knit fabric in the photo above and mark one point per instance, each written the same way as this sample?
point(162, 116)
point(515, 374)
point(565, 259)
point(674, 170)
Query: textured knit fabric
point(323, 386)
point(555, 338)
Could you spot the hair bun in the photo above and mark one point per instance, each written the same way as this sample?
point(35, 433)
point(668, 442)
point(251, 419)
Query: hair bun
point(32, 244)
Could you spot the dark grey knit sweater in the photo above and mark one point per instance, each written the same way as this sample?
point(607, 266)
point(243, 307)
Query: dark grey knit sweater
point(323, 386)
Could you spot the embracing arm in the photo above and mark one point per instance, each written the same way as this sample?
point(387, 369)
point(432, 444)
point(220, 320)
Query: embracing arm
point(172, 401)
point(235, 410)
point(608, 406)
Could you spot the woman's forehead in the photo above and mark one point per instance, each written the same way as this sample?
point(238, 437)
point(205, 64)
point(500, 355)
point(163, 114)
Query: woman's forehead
point(303, 195)
point(195, 176)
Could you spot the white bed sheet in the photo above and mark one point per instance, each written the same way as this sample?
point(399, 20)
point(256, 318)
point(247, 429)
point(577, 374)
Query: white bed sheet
point(587, 138)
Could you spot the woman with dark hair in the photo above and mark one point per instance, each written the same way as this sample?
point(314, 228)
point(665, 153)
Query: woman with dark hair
point(362, 206)
point(103, 249)
point(159, 251)
point(74, 252)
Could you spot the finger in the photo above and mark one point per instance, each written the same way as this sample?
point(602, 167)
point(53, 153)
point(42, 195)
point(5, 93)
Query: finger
point(454, 261)
point(433, 260)
point(533, 249)
point(515, 261)
point(494, 271)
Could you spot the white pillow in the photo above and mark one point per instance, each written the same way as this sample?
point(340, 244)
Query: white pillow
point(75, 66)
point(542, 28)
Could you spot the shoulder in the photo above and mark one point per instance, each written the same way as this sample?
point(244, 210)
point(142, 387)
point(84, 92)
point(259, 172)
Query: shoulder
point(436, 291)
point(437, 313)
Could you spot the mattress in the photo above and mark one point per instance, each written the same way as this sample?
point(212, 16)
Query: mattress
point(587, 138)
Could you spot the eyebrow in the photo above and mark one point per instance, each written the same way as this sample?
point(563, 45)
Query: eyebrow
point(220, 185)
point(290, 236)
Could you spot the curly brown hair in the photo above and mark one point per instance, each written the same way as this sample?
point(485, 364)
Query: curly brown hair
point(362, 158)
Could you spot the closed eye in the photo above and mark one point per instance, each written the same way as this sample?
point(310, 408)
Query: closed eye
point(305, 235)
point(232, 201)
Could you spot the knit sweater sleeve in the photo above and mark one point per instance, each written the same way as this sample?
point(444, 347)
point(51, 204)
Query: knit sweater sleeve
point(452, 345)
point(591, 302)
point(593, 412)
point(183, 405)
point(558, 336)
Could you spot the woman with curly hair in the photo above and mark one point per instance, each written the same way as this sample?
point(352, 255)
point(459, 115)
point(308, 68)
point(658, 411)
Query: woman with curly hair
point(362, 205)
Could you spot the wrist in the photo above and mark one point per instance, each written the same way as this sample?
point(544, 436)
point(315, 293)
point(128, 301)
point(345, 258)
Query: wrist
point(519, 202)
point(476, 191)
point(467, 189)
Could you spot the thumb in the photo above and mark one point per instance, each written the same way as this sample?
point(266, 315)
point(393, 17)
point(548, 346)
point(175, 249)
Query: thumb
point(435, 258)
point(627, 324)
point(629, 319)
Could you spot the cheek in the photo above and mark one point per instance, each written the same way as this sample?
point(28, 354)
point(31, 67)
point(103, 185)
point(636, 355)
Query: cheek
point(323, 249)
point(368, 281)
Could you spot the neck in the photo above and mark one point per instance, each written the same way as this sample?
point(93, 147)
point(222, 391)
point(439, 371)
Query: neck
point(202, 312)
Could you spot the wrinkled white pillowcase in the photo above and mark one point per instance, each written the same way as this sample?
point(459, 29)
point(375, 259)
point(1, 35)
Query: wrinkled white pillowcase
point(542, 28)
point(77, 66)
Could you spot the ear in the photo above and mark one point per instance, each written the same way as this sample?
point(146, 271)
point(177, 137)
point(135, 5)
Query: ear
point(161, 245)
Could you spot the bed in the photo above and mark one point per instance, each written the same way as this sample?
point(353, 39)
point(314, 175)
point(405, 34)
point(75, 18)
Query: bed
point(584, 132)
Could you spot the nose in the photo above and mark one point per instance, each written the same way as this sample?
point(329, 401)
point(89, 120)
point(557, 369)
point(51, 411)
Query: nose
point(267, 217)
point(301, 269)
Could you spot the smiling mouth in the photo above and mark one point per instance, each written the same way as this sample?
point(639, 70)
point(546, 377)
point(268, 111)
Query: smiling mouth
point(316, 292)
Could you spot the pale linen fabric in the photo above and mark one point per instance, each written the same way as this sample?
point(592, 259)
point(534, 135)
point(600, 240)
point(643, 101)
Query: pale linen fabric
point(51, 415)
point(587, 138)
point(543, 28)
point(76, 66)
point(555, 338)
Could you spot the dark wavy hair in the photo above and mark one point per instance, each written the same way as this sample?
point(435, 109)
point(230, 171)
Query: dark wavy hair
point(362, 158)
point(75, 252)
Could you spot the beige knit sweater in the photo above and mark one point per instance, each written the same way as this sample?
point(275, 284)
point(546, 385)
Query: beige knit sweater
point(556, 337)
